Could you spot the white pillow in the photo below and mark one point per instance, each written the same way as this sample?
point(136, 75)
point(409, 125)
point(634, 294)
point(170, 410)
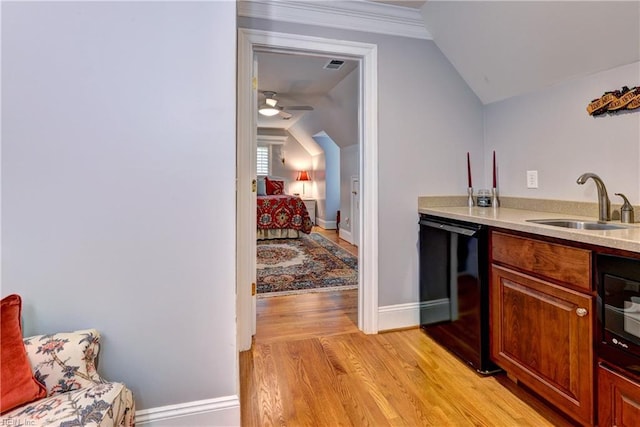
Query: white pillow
point(262, 186)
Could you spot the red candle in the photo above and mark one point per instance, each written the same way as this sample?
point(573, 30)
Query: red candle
point(494, 168)
point(469, 171)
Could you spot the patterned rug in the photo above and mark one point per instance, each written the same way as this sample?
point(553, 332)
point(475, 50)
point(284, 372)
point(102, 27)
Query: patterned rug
point(311, 263)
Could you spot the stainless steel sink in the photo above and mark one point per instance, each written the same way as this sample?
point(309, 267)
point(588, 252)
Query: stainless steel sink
point(578, 224)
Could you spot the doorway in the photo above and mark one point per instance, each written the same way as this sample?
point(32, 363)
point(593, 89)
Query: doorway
point(249, 42)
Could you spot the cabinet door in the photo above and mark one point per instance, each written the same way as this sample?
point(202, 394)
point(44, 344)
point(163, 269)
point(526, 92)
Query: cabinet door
point(618, 400)
point(541, 334)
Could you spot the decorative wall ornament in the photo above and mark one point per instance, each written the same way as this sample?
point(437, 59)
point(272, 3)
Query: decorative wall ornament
point(615, 101)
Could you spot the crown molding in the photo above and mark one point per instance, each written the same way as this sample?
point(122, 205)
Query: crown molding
point(348, 15)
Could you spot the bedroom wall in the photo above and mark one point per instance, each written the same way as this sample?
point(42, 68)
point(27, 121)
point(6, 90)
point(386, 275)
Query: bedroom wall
point(428, 119)
point(337, 120)
point(296, 158)
point(329, 202)
point(118, 187)
point(349, 157)
point(318, 183)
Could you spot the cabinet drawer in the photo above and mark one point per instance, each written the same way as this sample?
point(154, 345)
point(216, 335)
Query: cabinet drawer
point(558, 262)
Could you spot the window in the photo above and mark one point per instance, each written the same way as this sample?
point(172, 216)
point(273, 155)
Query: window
point(263, 160)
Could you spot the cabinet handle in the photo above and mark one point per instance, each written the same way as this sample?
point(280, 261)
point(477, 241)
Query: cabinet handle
point(581, 311)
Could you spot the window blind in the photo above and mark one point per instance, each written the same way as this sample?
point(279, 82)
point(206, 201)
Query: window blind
point(262, 159)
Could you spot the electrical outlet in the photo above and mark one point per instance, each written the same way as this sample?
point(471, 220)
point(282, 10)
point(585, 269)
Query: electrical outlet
point(532, 179)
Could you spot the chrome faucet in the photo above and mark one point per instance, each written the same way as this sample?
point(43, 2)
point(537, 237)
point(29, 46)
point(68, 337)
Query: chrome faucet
point(604, 205)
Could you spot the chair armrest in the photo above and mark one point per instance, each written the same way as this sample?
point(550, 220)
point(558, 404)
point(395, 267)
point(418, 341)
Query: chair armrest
point(65, 361)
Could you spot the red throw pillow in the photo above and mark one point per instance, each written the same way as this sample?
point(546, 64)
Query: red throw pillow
point(274, 187)
point(17, 385)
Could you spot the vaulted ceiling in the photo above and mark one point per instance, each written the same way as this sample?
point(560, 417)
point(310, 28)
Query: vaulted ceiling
point(298, 80)
point(500, 48)
point(507, 48)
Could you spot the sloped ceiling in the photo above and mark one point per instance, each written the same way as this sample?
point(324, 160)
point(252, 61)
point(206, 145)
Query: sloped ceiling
point(297, 80)
point(500, 48)
point(507, 48)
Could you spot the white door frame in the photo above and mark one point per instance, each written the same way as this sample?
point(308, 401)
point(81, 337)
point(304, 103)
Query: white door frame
point(250, 41)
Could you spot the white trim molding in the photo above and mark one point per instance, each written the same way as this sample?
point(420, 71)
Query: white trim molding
point(408, 315)
point(248, 42)
point(368, 214)
point(399, 316)
point(327, 225)
point(246, 141)
point(352, 15)
point(221, 411)
point(345, 235)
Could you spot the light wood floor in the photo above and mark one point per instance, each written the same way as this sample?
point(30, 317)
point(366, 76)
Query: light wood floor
point(333, 236)
point(310, 366)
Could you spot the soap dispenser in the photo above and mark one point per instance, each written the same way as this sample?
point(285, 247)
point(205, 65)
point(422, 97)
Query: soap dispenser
point(626, 211)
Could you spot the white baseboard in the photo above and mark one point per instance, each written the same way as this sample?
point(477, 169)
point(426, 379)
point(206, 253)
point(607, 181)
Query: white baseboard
point(398, 316)
point(221, 411)
point(345, 235)
point(327, 225)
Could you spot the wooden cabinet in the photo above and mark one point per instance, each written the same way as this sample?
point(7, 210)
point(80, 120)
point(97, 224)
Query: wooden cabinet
point(542, 323)
point(618, 399)
point(311, 208)
point(565, 264)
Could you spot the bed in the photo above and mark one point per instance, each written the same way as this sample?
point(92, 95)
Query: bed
point(280, 216)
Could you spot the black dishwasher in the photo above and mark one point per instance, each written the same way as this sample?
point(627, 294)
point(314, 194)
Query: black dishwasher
point(454, 288)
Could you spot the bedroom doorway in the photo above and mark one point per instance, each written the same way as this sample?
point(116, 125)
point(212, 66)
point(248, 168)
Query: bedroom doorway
point(250, 42)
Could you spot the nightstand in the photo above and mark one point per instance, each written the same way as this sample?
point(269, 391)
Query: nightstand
point(311, 208)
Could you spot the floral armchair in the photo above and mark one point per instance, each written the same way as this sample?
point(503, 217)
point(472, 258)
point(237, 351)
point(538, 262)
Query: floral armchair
point(65, 364)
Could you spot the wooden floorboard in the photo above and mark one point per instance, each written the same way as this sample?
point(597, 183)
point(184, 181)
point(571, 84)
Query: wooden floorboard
point(310, 366)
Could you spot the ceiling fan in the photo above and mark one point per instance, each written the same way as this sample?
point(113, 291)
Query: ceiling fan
point(270, 106)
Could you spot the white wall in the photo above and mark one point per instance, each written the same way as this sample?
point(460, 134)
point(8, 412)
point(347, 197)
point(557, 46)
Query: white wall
point(319, 183)
point(551, 132)
point(336, 114)
point(118, 172)
point(428, 120)
point(349, 167)
point(296, 158)
point(329, 202)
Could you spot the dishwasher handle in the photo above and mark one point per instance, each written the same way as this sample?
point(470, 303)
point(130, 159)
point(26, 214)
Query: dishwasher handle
point(453, 228)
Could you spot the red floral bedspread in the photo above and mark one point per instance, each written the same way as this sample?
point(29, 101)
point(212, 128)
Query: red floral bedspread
point(283, 211)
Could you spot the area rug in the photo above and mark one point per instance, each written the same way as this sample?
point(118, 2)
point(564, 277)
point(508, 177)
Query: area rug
point(311, 263)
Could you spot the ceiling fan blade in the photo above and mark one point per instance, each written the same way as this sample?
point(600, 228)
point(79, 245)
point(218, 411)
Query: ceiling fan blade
point(271, 102)
point(298, 107)
point(284, 115)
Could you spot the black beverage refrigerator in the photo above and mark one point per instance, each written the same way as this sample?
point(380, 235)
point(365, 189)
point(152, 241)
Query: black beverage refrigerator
point(454, 288)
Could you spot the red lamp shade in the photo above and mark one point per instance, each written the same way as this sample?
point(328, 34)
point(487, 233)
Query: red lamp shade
point(303, 176)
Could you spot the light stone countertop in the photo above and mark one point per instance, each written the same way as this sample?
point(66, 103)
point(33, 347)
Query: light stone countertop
point(512, 218)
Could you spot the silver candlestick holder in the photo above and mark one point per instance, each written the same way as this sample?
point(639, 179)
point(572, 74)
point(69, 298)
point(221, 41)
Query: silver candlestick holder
point(470, 202)
point(494, 198)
